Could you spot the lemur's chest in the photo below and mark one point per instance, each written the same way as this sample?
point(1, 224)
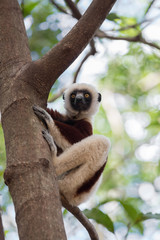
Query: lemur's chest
point(74, 131)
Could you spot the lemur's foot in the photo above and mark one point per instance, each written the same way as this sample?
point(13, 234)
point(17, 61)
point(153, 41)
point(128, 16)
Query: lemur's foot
point(50, 141)
point(42, 115)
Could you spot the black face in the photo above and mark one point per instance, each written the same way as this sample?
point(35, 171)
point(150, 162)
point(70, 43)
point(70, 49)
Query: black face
point(80, 100)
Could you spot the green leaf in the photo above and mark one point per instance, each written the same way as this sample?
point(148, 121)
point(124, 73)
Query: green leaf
point(133, 213)
point(100, 218)
point(65, 212)
point(112, 16)
point(130, 210)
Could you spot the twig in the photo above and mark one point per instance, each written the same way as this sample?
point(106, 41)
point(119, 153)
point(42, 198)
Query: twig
point(150, 21)
point(82, 219)
point(142, 40)
point(91, 52)
point(80, 66)
point(149, 7)
point(75, 11)
point(58, 7)
point(137, 38)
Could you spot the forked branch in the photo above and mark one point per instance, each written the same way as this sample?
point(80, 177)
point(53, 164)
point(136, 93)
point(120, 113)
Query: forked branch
point(56, 61)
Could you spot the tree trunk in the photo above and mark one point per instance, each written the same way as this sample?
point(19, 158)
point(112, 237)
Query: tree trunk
point(23, 83)
point(29, 174)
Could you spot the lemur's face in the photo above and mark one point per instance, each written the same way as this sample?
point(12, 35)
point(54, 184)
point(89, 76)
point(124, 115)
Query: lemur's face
point(80, 100)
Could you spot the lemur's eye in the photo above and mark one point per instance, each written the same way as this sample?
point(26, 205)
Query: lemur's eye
point(73, 95)
point(86, 95)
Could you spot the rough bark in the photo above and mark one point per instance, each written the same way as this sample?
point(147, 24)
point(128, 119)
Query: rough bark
point(29, 174)
point(23, 83)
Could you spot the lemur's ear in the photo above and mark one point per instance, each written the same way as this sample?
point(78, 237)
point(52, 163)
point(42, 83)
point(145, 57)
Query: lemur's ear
point(99, 97)
point(63, 96)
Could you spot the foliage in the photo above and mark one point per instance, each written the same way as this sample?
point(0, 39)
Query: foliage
point(100, 217)
point(43, 25)
point(135, 153)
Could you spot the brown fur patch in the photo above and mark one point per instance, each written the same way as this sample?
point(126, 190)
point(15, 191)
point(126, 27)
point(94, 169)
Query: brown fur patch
point(76, 132)
point(56, 115)
point(90, 183)
point(72, 130)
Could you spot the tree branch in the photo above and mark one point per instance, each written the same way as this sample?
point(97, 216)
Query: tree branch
point(75, 11)
point(72, 6)
point(149, 7)
point(55, 62)
point(82, 218)
point(151, 44)
point(91, 52)
point(59, 7)
point(137, 38)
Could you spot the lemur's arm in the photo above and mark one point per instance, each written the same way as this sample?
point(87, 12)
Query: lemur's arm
point(56, 115)
point(64, 135)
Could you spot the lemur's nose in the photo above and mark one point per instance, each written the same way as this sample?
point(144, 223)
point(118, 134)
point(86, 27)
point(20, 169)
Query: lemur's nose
point(79, 99)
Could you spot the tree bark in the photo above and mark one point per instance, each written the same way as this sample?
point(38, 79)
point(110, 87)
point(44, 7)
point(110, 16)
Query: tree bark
point(1, 228)
point(23, 83)
point(29, 173)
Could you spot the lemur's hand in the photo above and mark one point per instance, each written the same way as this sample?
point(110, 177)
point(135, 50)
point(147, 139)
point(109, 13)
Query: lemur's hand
point(49, 139)
point(46, 119)
point(42, 115)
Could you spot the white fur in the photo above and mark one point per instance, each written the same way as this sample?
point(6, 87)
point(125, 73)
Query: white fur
point(83, 114)
point(79, 162)
point(57, 136)
point(90, 154)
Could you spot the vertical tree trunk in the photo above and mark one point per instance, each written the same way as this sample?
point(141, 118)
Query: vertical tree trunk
point(29, 174)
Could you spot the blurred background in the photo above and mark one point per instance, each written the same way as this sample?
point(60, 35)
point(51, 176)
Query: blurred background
point(123, 62)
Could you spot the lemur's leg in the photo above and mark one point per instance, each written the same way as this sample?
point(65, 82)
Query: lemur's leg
point(80, 167)
point(51, 126)
point(75, 156)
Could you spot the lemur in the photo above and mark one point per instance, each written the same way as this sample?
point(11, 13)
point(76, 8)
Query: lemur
point(81, 156)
